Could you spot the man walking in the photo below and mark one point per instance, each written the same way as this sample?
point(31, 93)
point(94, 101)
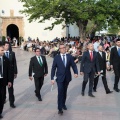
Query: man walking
point(62, 64)
point(102, 65)
point(88, 67)
point(38, 66)
point(115, 63)
point(5, 77)
point(12, 59)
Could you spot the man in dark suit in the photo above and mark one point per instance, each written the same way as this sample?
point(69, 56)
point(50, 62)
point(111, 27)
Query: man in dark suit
point(88, 67)
point(38, 66)
point(12, 59)
point(5, 77)
point(62, 63)
point(115, 63)
point(102, 65)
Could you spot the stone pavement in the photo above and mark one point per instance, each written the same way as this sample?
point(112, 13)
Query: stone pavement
point(102, 107)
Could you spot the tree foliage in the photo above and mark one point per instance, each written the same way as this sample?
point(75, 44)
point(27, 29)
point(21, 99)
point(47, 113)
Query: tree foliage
point(89, 15)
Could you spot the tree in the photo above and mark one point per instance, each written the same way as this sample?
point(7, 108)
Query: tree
point(101, 13)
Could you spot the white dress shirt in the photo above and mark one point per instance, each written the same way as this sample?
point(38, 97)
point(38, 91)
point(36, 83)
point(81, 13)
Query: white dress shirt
point(40, 59)
point(2, 65)
point(6, 54)
point(65, 58)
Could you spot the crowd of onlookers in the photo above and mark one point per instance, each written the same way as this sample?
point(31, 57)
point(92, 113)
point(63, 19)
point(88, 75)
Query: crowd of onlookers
point(74, 45)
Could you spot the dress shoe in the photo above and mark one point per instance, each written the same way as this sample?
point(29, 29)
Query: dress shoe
point(12, 106)
point(39, 99)
point(116, 89)
point(108, 92)
point(60, 112)
point(65, 108)
point(1, 116)
point(91, 95)
point(82, 93)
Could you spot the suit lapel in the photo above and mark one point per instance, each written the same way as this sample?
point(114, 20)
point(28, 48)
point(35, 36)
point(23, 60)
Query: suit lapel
point(88, 55)
point(36, 60)
point(116, 51)
point(10, 56)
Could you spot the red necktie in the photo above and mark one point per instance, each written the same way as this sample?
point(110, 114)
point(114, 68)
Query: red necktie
point(91, 56)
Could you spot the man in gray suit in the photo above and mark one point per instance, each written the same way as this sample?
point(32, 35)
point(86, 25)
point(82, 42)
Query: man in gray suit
point(89, 65)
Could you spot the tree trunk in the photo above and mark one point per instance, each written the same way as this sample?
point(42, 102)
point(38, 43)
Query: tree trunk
point(82, 29)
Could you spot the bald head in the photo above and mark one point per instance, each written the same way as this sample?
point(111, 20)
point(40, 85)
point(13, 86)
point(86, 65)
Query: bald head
point(100, 48)
point(90, 47)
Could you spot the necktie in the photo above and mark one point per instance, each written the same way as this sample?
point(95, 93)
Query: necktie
point(64, 60)
point(7, 55)
point(1, 73)
point(119, 51)
point(40, 62)
point(91, 56)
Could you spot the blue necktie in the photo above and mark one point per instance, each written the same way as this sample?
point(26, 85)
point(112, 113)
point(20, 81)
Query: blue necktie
point(119, 51)
point(64, 60)
point(7, 55)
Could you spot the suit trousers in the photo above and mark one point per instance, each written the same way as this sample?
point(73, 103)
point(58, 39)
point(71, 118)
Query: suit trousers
point(62, 93)
point(104, 83)
point(1, 95)
point(11, 94)
point(38, 85)
point(87, 76)
point(116, 81)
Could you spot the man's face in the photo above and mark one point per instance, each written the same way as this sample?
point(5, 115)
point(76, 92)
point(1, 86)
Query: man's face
point(100, 48)
point(118, 43)
point(6, 47)
point(1, 51)
point(91, 47)
point(62, 49)
point(38, 53)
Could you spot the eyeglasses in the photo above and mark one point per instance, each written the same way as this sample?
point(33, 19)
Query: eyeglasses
point(62, 48)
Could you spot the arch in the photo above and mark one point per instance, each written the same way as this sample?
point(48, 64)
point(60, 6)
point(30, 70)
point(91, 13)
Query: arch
point(12, 31)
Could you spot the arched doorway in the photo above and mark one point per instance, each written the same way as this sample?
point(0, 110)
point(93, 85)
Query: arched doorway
point(12, 31)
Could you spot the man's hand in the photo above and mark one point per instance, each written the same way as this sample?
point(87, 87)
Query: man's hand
point(98, 73)
point(111, 66)
point(52, 82)
point(75, 75)
point(81, 73)
point(31, 78)
point(15, 76)
point(9, 84)
point(45, 75)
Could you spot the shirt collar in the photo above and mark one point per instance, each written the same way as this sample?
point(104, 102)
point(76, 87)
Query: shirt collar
point(90, 51)
point(7, 51)
point(62, 54)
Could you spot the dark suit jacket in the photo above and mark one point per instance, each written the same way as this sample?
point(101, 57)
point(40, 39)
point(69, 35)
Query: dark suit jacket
point(87, 65)
point(62, 71)
point(102, 61)
point(6, 72)
point(35, 67)
point(115, 60)
point(13, 64)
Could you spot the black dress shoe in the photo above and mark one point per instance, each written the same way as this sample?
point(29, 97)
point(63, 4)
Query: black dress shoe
point(39, 99)
point(116, 89)
point(91, 95)
point(82, 93)
point(108, 92)
point(1, 116)
point(65, 108)
point(12, 106)
point(60, 112)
